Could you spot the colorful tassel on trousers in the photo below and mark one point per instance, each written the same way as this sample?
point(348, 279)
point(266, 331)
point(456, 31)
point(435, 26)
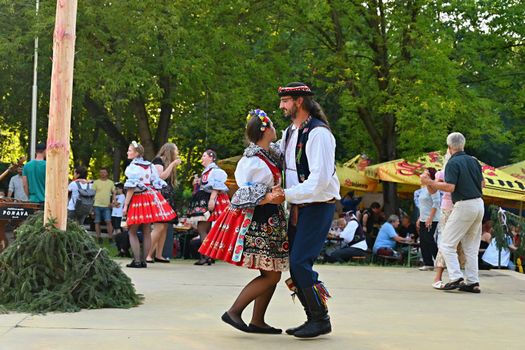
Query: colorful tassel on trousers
point(322, 293)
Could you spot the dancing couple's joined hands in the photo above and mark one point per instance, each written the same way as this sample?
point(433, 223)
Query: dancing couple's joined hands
point(276, 196)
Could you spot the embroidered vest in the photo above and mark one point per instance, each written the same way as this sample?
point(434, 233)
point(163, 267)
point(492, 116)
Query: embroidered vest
point(301, 161)
point(204, 177)
point(276, 172)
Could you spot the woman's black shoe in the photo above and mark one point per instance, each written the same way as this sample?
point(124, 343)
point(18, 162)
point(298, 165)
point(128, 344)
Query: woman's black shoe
point(202, 261)
point(264, 330)
point(165, 261)
point(135, 264)
point(240, 326)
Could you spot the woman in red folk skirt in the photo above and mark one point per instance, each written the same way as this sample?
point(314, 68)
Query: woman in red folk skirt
point(210, 199)
point(252, 231)
point(144, 204)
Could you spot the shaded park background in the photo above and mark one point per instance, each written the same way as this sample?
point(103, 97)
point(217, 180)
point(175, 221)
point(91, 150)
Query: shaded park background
point(395, 77)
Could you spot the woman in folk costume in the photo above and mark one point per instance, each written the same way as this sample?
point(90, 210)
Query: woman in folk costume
point(144, 204)
point(210, 200)
point(252, 231)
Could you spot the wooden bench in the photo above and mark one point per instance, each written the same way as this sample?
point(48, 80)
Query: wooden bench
point(384, 259)
point(359, 259)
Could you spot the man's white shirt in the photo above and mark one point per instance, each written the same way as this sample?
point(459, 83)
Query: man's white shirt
point(322, 183)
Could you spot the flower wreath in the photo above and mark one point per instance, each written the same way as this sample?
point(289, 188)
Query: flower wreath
point(265, 121)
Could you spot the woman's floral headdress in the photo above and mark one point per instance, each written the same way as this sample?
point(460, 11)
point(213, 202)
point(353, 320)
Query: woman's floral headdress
point(265, 121)
point(135, 144)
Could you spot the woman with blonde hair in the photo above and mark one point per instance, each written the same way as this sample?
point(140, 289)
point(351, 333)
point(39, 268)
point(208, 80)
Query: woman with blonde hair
point(166, 163)
point(144, 205)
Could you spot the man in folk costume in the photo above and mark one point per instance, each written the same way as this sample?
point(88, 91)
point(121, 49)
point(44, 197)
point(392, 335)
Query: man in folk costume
point(312, 188)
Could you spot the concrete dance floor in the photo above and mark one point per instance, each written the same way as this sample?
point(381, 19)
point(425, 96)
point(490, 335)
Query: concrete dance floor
point(371, 308)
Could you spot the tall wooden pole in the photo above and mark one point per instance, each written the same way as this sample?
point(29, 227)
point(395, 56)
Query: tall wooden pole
point(55, 207)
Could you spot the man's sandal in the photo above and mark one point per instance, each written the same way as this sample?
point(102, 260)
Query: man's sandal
point(453, 285)
point(471, 288)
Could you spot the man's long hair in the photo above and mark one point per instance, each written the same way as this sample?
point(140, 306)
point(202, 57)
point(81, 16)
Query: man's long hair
point(314, 108)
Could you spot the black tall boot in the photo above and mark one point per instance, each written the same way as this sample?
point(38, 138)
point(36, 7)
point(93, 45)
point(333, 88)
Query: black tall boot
point(291, 331)
point(318, 322)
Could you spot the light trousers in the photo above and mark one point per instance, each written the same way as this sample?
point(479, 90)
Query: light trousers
point(463, 225)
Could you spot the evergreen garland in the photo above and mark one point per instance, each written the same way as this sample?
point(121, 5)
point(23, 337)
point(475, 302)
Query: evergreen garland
point(502, 221)
point(46, 269)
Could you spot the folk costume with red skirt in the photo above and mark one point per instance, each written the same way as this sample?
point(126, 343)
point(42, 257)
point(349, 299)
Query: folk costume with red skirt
point(147, 204)
point(212, 178)
point(248, 234)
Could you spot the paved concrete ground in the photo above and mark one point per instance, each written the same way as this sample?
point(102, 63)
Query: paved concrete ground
point(371, 308)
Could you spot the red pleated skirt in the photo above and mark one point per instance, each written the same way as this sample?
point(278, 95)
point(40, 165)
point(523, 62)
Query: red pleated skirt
point(149, 207)
point(221, 204)
point(220, 241)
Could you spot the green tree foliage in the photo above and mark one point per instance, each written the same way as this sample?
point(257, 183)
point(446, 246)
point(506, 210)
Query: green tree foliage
point(393, 76)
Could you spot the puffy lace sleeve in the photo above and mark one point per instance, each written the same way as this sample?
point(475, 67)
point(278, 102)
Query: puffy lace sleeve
point(216, 181)
point(156, 181)
point(254, 179)
point(134, 174)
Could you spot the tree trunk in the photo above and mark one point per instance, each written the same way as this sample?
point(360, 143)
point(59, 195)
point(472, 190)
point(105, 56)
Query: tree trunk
point(161, 135)
point(55, 207)
point(117, 160)
point(146, 139)
point(104, 122)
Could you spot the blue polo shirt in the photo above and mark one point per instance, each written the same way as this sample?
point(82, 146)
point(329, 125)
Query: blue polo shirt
point(385, 237)
point(464, 171)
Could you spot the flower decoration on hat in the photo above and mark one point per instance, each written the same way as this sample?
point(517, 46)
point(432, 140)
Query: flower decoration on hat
point(294, 89)
point(263, 117)
point(135, 144)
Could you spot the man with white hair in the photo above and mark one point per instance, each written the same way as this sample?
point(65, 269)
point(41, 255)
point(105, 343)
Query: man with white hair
point(464, 179)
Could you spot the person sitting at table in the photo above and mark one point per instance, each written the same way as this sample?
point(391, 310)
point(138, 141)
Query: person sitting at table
point(371, 220)
point(387, 238)
point(350, 202)
point(486, 237)
point(493, 257)
point(354, 242)
point(496, 258)
point(407, 228)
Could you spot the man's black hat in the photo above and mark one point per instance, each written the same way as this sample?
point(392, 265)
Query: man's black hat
point(295, 89)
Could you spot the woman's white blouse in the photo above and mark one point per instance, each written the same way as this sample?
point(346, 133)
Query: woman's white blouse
point(216, 181)
point(138, 176)
point(251, 171)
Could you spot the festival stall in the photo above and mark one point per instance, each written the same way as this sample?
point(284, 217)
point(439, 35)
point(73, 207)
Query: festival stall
point(517, 170)
point(500, 188)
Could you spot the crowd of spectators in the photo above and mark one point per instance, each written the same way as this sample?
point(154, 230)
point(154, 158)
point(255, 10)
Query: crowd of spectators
point(367, 233)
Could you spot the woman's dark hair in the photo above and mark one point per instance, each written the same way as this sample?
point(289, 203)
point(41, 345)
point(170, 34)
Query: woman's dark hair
point(211, 153)
point(313, 108)
point(432, 172)
point(253, 129)
point(81, 171)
